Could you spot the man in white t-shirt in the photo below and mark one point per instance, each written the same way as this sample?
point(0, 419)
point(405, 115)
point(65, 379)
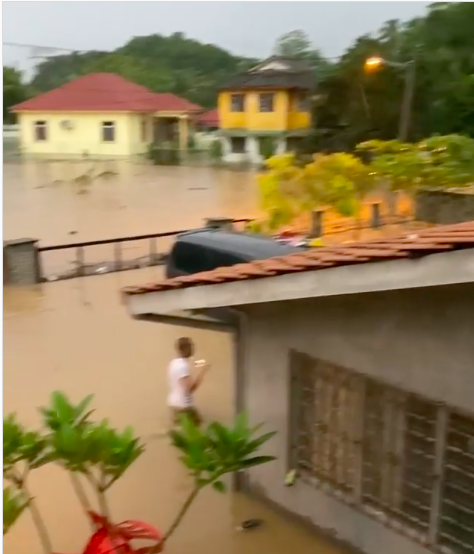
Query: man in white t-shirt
point(182, 384)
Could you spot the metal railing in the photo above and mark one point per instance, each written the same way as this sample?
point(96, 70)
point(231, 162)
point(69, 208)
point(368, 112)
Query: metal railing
point(97, 257)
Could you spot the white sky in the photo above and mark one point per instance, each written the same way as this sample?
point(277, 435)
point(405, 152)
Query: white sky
point(245, 28)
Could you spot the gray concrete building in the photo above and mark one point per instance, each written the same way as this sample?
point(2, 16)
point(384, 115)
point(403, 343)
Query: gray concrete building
point(361, 357)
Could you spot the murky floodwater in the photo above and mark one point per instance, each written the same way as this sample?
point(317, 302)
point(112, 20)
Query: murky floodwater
point(76, 336)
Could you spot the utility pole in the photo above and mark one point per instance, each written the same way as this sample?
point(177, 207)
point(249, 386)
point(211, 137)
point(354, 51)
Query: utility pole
point(405, 114)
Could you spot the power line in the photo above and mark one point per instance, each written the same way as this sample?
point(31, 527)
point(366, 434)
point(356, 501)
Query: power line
point(41, 47)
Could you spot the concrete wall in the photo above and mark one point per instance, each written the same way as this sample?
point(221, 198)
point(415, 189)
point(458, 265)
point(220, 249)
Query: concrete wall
point(252, 150)
point(421, 341)
point(286, 114)
point(444, 207)
point(84, 136)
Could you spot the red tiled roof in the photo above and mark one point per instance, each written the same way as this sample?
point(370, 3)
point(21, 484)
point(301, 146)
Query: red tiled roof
point(429, 241)
point(210, 118)
point(100, 92)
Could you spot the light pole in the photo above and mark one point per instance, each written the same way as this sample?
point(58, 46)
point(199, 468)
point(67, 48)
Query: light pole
point(373, 64)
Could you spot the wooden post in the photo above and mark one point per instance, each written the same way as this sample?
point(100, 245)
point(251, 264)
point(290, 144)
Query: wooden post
point(375, 216)
point(316, 230)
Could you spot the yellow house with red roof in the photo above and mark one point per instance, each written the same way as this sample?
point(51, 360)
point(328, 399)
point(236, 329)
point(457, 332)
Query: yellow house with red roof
point(102, 115)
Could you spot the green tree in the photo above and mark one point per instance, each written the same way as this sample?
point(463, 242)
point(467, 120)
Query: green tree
point(175, 64)
point(357, 106)
point(14, 91)
point(289, 190)
point(436, 162)
point(297, 45)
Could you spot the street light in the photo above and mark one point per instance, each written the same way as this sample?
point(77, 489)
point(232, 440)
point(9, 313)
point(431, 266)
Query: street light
point(374, 63)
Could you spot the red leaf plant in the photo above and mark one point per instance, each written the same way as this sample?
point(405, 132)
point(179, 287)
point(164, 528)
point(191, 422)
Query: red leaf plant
point(111, 538)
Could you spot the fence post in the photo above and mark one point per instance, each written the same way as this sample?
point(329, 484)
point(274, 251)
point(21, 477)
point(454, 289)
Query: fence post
point(375, 216)
point(118, 256)
point(316, 229)
point(220, 223)
point(80, 265)
point(21, 262)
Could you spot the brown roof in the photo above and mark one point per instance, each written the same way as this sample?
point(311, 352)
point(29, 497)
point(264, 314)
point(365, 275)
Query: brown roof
point(422, 243)
point(210, 118)
point(296, 75)
point(98, 92)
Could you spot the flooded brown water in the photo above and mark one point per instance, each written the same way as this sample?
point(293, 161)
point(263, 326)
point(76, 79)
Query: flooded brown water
point(76, 336)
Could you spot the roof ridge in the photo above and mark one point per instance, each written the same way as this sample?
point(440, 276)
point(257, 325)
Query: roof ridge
point(104, 92)
point(435, 239)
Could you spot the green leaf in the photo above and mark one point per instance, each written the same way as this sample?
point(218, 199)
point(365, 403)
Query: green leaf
point(62, 407)
point(257, 443)
point(83, 405)
point(219, 486)
point(258, 460)
point(14, 503)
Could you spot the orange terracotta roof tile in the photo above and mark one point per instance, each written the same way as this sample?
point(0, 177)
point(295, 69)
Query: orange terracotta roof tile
point(409, 245)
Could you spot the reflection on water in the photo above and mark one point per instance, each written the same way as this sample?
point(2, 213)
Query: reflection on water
point(76, 336)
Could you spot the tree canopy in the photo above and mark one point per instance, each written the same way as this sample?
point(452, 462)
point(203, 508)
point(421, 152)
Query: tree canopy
point(360, 106)
point(14, 91)
point(174, 64)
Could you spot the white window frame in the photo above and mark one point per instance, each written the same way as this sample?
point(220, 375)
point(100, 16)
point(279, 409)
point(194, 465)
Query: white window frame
point(106, 127)
point(237, 102)
point(41, 126)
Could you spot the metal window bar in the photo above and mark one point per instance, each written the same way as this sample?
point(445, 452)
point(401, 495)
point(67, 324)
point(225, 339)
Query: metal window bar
point(418, 471)
point(456, 528)
point(324, 446)
point(408, 461)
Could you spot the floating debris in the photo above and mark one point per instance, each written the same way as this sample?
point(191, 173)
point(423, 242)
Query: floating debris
point(290, 478)
point(250, 524)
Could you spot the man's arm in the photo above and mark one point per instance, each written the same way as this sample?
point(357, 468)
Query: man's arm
point(191, 384)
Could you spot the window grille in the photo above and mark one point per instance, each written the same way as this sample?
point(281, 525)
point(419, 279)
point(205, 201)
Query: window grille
point(456, 526)
point(405, 460)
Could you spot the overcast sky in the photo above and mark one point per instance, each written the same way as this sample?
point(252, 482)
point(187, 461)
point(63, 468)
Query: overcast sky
point(246, 28)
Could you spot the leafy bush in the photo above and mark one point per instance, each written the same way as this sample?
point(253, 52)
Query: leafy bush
point(166, 154)
point(289, 189)
point(267, 147)
point(215, 149)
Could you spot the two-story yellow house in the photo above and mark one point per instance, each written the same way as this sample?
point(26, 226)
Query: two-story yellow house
point(270, 101)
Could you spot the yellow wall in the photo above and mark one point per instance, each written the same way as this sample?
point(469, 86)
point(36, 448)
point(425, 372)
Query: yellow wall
point(86, 135)
point(284, 117)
